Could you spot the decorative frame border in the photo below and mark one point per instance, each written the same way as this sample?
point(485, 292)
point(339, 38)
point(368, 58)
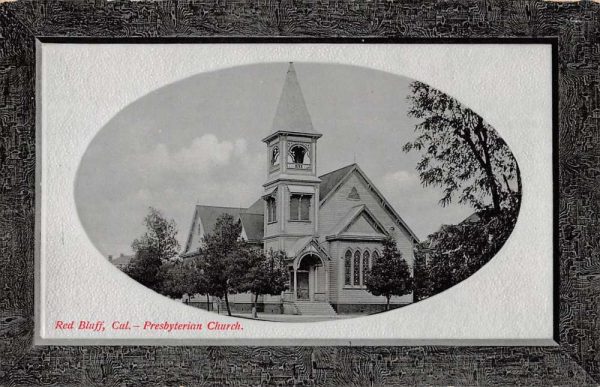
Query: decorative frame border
point(573, 27)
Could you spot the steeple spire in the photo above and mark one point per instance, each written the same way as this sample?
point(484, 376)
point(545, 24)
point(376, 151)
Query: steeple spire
point(292, 115)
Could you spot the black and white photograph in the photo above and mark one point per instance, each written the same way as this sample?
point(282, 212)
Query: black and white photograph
point(335, 193)
point(298, 192)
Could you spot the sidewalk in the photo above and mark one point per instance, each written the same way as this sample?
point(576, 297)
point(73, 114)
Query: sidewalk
point(294, 318)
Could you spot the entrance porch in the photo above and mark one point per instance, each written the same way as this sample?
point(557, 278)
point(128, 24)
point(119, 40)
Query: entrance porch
point(309, 279)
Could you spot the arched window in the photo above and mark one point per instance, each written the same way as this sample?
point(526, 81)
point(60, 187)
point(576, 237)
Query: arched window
point(356, 268)
point(365, 266)
point(374, 258)
point(299, 156)
point(275, 156)
point(348, 268)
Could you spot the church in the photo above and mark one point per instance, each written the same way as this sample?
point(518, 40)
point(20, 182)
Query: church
point(331, 226)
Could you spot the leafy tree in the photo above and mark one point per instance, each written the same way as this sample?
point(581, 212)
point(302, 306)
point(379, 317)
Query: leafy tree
point(460, 153)
point(390, 274)
point(157, 246)
point(457, 251)
point(267, 274)
point(226, 258)
point(182, 277)
point(422, 282)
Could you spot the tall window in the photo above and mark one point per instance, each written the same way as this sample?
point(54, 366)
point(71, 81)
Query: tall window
point(271, 210)
point(275, 156)
point(374, 258)
point(300, 207)
point(356, 268)
point(348, 268)
point(365, 266)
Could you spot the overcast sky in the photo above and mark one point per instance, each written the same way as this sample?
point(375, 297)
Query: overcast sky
point(198, 141)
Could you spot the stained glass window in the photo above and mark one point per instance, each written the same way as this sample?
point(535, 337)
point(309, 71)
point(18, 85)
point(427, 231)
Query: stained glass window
point(356, 268)
point(374, 258)
point(348, 267)
point(365, 266)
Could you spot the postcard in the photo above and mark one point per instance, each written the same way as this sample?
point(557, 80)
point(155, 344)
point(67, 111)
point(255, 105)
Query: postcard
point(295, 194)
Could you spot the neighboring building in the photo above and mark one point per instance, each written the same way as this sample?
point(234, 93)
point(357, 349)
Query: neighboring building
point(330, 226)
point(121, 261)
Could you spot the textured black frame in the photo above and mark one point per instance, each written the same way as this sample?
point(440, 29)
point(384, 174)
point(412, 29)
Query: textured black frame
point(573, 27)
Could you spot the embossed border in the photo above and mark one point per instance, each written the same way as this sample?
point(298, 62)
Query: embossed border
point(575, 29)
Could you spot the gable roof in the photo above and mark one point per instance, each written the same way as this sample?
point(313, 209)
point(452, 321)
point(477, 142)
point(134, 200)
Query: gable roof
point(335, 180)
point(307, 244)
point(351, 217)
point(252, 218)
point(252, 223)
point(331, 180)
point(292, 114)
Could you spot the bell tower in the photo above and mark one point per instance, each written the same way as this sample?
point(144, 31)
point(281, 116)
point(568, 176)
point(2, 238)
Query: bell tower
point(291, 191)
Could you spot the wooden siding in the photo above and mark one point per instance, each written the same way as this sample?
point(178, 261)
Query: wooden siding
point(332, 212)
point(338, 205)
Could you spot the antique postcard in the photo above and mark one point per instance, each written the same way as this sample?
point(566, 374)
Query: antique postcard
point(316, 194)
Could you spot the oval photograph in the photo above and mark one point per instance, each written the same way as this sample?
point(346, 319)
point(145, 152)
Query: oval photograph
point(298, 192)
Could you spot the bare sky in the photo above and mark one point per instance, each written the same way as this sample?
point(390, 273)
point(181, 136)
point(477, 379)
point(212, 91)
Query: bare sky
point(198, 141)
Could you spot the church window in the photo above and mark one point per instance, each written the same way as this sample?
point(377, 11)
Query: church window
point(271, 210)
point(374, 258)
point(365, 265)
point(300, 207)
point(348, 268)
point(353, 195)
point(275, 156)
point(298, 157)
point(356, 268)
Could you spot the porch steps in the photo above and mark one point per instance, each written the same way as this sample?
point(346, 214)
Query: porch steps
point(314, 308)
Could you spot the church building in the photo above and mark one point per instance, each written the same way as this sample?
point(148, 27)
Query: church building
point(331, 226)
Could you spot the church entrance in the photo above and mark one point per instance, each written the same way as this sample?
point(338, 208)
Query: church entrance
point(310, 279)
point(303, 285)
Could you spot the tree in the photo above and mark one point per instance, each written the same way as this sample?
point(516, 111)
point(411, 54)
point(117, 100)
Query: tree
point(157, 246)
point(390, 274)
point(182, 277)
point(461, 153)
point(267, 274)
point(422, 282)
point(457, 251)
point(226, 258)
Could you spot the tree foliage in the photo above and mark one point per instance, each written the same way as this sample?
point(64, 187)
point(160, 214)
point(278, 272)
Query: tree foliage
point(226, 258)
point(464, 156)
point(157, 246)
point(390, 274)
point(182, 277)
point(267, 274)
point(456, 252)
point(460, 153)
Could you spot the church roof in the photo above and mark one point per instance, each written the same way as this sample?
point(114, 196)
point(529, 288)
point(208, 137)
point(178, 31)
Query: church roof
point(252, 222)
point(330, 180)
point(252, 218)
point(253, 225)
point(351, 216)
point(292, 114)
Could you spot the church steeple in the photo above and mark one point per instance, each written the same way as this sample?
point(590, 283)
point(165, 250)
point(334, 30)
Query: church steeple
point(292, 187)
point(292, 115)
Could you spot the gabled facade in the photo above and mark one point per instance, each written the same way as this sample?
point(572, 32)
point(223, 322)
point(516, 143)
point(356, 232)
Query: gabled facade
point(330, 226)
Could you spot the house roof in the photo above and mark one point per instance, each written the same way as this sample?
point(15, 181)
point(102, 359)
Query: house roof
point(122, 260)
point(292, 114)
